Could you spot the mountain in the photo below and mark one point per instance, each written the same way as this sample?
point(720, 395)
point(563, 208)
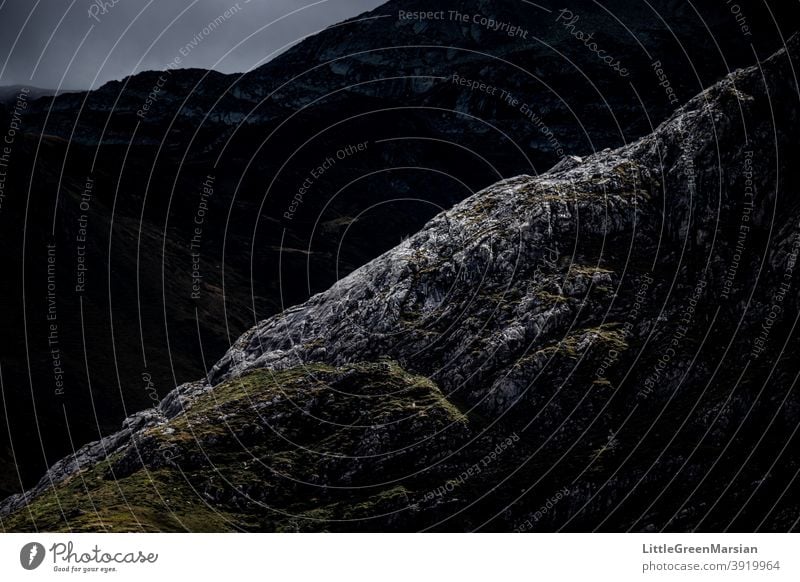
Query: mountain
point(9, 93)
point(605, 346)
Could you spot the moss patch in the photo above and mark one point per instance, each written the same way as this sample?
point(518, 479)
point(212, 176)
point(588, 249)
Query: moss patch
point(262, 452)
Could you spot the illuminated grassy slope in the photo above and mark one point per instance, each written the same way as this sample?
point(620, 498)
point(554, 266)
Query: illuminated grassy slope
point(242, 458)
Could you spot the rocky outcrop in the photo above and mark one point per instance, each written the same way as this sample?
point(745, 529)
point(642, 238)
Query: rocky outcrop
point(612, 335)
point(531, 263)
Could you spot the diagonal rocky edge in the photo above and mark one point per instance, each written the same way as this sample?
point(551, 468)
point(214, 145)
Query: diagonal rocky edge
point(543, 345)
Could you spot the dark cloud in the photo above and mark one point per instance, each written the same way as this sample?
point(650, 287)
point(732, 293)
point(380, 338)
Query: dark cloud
point(84, 43)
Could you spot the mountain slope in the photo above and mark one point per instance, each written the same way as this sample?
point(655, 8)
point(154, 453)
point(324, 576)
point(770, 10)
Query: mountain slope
point(605, 346)
point(159, 306)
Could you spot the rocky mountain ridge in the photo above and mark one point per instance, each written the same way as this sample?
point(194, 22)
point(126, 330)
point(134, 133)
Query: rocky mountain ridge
point(602, 334)
point(159, 302)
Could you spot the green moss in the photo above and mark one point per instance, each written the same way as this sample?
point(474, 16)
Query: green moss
point(247, 473)
point(550, 298)
point(94, 500)
point(477, 212)
point(587, 270)
point(610, 334)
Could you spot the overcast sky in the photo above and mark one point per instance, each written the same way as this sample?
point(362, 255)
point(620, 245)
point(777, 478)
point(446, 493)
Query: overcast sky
point(76, 44)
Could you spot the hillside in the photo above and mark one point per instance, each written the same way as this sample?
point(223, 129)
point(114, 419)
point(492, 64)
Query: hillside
point(605, 346)
point(145, 303)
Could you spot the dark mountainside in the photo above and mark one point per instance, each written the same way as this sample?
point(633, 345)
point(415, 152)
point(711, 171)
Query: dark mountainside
point(606, 346)
point(119, 193)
